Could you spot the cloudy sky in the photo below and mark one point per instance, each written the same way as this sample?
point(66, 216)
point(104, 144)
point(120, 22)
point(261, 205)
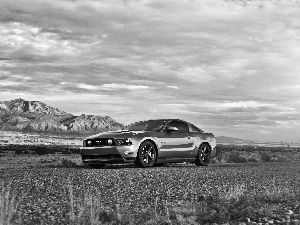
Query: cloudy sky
point(230, 67)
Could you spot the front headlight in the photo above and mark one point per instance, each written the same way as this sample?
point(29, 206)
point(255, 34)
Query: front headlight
point(124, 141)
point(110, 141)
point(86, 143)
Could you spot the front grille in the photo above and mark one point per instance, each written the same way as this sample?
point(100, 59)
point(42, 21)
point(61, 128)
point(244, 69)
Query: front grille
point(97, 142)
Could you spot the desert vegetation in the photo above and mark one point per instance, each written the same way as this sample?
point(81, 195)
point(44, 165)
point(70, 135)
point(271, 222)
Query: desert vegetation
point(175, 194)
point(252, 154)
point(239, 187)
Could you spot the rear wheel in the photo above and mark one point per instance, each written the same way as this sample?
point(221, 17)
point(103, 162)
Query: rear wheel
point(97, 166)
point(146, 155)
point(203, 156)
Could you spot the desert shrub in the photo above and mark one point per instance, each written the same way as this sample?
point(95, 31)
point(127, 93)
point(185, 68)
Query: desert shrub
point(213, 161)
point(236, 157)
point(46, 160)
point(66, 152)
point(265, 157)
point(69, 151)
point(41, 150)
point(278, 159)
point(238, 203)
point(21, 151)
point(67, 163)
point(18, 151)
point(216, 209)
point(222, 157)
point(8, 205)
point(75, 150)
point(254, 158)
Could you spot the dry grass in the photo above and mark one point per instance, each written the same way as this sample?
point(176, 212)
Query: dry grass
point(234, 192)
point(233, 204)
point(51, 160)
point(59, 190)
point(237, 193)
point(8, 205)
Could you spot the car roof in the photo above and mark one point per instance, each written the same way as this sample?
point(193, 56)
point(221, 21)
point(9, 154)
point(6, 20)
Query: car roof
point(159, 119)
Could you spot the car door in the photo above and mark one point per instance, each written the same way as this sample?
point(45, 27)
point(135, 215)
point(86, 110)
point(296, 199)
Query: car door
point(177, 144)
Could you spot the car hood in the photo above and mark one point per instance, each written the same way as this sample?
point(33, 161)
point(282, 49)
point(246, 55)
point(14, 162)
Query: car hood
point(116, 134)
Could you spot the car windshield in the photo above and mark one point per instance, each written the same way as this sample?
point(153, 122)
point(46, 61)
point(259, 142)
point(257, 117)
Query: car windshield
point(149, 125)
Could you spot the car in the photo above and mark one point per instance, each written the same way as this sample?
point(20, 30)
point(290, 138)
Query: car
point(150, 143)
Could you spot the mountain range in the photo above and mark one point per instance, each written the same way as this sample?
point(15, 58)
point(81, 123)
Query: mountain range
point(37, 117)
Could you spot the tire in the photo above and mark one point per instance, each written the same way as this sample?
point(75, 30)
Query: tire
point(203, 156)
point(147, 155)
point(96, 166)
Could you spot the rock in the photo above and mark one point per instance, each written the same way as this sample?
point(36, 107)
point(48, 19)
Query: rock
point(252, 223)
point(297, 209)
point(265, 219)
point(287, 217)
point(119, 216)
point(282, 220)
point(296, 216)
point(248, 220)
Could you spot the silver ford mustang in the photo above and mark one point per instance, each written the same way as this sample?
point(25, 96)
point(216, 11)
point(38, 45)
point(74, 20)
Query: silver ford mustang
point(150, 143)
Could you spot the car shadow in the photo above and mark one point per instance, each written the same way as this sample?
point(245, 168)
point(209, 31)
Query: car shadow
point(129, 165)
point(178, 165)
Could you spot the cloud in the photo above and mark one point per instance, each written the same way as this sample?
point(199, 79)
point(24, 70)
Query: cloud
point(174, 87)
point(5, 83)
point(112, 86)
point(15, 36)
point(124, 86)
point(227, 66)
point(7, 63)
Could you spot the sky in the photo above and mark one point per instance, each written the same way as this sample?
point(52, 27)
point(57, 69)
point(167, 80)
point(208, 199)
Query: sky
point(229, 67)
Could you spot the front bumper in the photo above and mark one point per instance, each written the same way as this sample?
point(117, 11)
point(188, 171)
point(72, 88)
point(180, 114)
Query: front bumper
point(108, 154)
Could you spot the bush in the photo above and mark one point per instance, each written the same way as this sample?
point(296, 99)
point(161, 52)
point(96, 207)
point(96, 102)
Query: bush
point(236, 157)
point(265, 157)
point(281, 159)
point(67, 163)
point(21, 151)
point(75, 150)
point(254, 158)
point(41, 150)
point(213, 161)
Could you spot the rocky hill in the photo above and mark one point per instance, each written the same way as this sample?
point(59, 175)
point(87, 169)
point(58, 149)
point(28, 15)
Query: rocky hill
point(35, 116)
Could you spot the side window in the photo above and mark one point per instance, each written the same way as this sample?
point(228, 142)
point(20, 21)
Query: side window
point(195, 129)
point(181, 126)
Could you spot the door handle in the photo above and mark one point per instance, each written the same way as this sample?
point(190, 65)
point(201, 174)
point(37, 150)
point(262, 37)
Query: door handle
point(188, 137)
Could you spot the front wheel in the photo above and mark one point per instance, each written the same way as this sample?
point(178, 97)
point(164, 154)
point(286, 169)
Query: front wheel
point(203, 156)
point(147, 155)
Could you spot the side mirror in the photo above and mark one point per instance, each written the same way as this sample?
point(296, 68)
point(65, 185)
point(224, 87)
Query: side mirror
point(171, 129)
